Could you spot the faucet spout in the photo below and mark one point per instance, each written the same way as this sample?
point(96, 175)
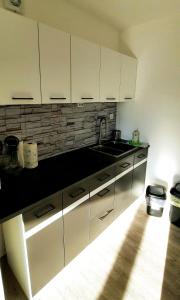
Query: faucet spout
point(101, 134)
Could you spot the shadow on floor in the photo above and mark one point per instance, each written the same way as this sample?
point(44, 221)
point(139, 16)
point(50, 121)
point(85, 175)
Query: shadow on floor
point(172, 267)
point(117, 281)
point(12, 288)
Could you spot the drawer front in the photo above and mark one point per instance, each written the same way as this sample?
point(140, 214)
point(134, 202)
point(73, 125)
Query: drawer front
point(124, 164)
point(45, 209)
point(140, 155)
point(101, 178)
point(100, 223)
point(76, 231)
point(45, 255)
point(102, 202)
point(74, 193)
point(123, 193)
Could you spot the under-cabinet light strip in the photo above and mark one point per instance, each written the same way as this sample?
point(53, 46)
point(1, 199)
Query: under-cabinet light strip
point(75, 204)
point(42, 225)
point(140, 163)
point(96, 191)
point(124, 173)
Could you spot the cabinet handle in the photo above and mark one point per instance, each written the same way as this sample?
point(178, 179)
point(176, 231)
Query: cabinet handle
point(125, 165)
point(77, 192)
point(127, 98)
point(106, 214)
point(103, 177)
point(57, 98)
point(111, 98)
point(87, 98)
point(141, 155)
point(22, 98)
point(103, 192)
point(44, 210)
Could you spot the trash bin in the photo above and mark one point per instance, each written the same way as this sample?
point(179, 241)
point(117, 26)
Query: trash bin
point(174, 213)
point(155, 200)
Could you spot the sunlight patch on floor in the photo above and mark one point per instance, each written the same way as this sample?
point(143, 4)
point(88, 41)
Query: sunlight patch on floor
point(74, 276)
point(153, 248)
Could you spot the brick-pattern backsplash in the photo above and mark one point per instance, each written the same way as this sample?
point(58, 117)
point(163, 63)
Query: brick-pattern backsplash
point(56, 127)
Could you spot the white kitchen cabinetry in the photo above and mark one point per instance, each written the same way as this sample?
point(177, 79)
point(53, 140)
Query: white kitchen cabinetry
point(34, 244)
point(128, 78)
point(54, 64)
point(19, 60)
point(110, 75)
point(85, 68)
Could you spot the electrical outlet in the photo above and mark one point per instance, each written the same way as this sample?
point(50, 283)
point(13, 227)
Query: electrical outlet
point(111, 116)
point(80, 104)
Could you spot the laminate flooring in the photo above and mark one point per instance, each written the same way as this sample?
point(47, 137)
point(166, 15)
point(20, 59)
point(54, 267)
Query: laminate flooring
point(136, 258)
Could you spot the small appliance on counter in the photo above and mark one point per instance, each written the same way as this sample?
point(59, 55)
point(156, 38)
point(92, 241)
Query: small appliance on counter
point(30, 155)
point(11, 147)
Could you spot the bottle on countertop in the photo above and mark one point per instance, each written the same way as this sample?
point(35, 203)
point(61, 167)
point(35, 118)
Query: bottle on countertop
point(136, 136)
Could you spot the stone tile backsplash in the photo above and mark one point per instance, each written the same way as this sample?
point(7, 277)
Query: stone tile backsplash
point(56, 127)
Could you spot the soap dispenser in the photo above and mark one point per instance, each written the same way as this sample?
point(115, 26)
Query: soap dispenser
point(135, 136)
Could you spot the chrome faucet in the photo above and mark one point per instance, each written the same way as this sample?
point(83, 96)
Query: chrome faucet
point(101, 134)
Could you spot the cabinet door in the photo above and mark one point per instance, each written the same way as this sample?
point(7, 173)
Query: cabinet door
point(85, 68)
point(19, 60)
point(123, 193)
point(139, 176)
point(45, 252)
point(101, 211)
point(55, 64)
point(76, 231)
point(109, 75)
point(128, 78)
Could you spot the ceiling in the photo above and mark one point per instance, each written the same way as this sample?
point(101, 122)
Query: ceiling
point(126, 13)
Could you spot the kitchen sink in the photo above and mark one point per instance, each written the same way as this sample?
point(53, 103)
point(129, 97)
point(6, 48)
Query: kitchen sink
point(115, 149)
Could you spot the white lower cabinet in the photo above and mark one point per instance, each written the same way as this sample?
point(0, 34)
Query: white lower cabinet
point(76, 231)
point(34, 245)
point(45, 255)
point(101, 211)
point(44, 239)
point(19, 60)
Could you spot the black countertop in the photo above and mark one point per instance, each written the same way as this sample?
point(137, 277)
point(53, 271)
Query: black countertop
point(21, 189)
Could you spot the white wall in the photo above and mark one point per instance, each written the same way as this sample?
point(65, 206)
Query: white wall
point(156, 112)
point(65, 16)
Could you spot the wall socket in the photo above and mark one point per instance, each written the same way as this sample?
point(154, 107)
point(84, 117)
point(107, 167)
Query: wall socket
point(111, 116)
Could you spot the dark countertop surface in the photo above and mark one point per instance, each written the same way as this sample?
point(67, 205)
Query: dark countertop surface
point(21, 189)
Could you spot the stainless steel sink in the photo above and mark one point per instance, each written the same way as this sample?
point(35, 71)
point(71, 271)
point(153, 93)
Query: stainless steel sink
point(114, 149)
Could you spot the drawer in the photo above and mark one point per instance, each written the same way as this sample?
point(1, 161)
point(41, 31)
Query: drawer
point(45, 209)
point(100, 223)
point(140, 155)
point(75, 192)
point(124, 164)
point(101, 178)
point(102, 201)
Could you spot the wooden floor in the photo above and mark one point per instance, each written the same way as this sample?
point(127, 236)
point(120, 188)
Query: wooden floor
point(137, 257)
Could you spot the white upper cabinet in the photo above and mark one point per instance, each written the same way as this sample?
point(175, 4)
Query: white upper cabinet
point(54, 64)
point(110, 75)
point(128, 78)
point(85, 68)
point(19, 60)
